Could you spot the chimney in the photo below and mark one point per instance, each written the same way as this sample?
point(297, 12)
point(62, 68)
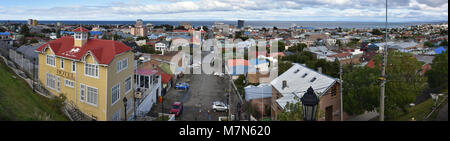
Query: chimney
point(319, 69)
point(284, 84)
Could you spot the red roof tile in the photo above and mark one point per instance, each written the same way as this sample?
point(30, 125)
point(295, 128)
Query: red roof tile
point(81, 29)
point(103, 50)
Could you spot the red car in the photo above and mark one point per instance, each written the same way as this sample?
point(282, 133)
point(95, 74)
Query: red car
point(177, 109)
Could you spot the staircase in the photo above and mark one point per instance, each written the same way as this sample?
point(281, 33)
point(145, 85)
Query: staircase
point(75, 114)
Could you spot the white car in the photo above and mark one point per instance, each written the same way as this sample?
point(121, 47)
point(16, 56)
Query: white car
point(219, 106)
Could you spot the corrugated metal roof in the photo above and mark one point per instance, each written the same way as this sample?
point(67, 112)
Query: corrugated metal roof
point(299, 78)
point(258, 92)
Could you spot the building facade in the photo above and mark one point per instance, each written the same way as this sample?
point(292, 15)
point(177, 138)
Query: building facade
point(94, 75)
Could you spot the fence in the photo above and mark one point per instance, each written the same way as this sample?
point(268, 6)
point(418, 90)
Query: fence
point(27, 64)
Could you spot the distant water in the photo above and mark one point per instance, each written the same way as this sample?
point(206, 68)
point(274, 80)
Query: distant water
point(257, 24)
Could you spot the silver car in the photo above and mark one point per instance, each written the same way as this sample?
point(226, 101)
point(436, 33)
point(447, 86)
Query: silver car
point(219, 106)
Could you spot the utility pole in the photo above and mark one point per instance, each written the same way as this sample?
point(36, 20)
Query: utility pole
point(383, 71)
point(341, 89)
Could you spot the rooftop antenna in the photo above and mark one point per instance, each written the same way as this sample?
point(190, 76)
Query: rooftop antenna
point(383, 71)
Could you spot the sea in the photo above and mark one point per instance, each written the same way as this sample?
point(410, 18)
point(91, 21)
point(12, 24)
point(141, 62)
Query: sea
point(256, 24)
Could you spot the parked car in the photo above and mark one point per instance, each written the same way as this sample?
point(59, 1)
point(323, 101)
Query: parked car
point(182, 86)
point(219, 106)
point(177, 109)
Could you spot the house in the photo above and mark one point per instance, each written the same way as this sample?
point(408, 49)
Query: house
point(290, 86)
point(148, 83)
point(260, 97)
point(94, 75)
point(162, 46)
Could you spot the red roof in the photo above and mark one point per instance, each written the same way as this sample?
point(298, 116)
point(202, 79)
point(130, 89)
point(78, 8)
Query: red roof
point(237, 62)
point(165, 78)
point(371, 64)
point(81, 29)
point(103, 50)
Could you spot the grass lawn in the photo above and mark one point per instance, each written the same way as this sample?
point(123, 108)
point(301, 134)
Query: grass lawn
point(419, 112)
point(19, 103)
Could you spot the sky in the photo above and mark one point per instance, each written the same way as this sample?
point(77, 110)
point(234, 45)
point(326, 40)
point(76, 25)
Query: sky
point(225, 10)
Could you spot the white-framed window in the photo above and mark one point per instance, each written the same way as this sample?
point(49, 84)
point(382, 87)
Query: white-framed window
point(82, 92)
point(62, 63)
point(92, 95)
point(119, 66)
point(51, 81)
point(122, 65)
point(128, 85)
point(69, 83)
point(125, 64)
point(116, 116)
point(91, 70)
point(115, 94)
point(58, 84)
point(51, 60)
point(74, 66)
point(78, 36)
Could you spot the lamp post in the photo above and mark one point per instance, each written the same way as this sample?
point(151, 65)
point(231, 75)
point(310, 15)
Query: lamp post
point(125, 105)
point(309, 102)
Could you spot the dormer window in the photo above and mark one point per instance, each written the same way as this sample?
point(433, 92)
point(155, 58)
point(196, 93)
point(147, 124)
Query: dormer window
point(304, 75)
point(296, 71)
point(314, 79)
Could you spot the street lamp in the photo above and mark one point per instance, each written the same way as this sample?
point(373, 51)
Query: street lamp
point(125, 105)
point(309, 102)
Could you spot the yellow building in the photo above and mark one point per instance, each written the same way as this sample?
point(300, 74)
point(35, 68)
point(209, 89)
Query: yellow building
point(95, 75)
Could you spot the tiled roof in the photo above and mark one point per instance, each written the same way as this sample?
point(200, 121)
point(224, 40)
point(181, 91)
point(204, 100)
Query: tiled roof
point(81, 29)
point(103, 50)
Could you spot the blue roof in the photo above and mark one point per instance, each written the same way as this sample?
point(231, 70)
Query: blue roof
point(257, 61)
point(95, 32)
point(238, 70)
point(440, 50)
point(66, 32)
point(5, 33)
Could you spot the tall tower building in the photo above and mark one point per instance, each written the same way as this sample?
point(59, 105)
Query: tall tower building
point(240, 24)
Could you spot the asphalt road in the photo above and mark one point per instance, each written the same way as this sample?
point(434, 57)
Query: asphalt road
point(197, 101)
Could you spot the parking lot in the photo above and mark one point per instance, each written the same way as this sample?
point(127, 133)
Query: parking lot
point(197, 101)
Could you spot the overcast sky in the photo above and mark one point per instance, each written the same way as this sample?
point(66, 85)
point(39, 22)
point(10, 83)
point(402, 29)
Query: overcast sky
point(184, 10)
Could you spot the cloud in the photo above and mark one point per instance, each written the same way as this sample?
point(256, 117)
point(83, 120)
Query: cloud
point(369, 10)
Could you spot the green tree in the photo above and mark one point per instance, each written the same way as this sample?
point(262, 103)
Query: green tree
point(297, 48)
point(24, 30)
point(32, 41)
point(428, 44)
point(141, 38)
point(361, 88)
point(361, 93)
point(376, 32)
point(128, 39)
point(281, 46)
point(292, 112)
point(148, 49)
point(283, 67)
point(438, 75)
point(444, 43)
point(58, 33)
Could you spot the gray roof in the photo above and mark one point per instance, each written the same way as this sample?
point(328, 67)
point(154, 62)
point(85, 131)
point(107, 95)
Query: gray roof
point(258, 92)
point(299, 78)
point(29, 51)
